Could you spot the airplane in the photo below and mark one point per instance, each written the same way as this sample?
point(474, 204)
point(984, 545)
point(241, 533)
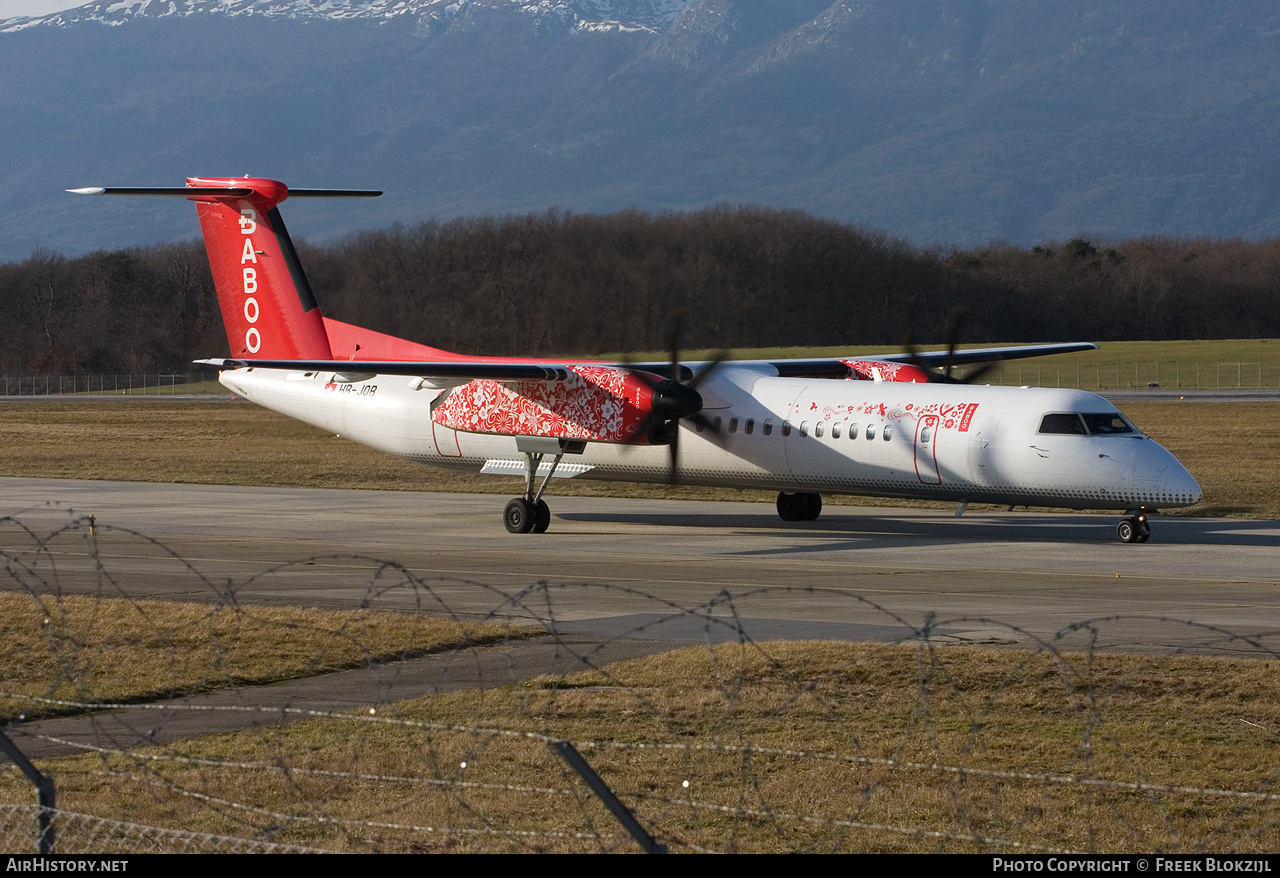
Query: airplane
point(883, 426)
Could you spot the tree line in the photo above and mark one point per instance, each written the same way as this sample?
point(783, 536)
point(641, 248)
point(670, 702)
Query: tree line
point(561, 284)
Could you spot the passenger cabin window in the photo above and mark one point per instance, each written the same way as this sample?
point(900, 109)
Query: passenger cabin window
point(1068, 424)
point(733, 425)
point(835, 431)
point(750, 426)
point(819, 428)
point(871, 431)
point(768, 427)
point(888, 432)
point(853, 431)
point(925, 432)
point(804, 428)
point(1107, 422)
point(786, 428)
point(716, 424)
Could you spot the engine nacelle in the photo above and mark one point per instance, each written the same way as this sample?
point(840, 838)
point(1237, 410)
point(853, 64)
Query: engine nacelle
point(880, 370)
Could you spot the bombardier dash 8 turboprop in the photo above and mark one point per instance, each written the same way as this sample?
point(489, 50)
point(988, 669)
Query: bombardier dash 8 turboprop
point(886, 426)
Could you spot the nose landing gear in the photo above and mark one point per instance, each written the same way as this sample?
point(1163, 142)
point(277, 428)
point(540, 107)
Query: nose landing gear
point(1134, 527)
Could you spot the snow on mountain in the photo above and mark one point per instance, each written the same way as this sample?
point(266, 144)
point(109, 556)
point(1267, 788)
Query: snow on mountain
point(584, 14)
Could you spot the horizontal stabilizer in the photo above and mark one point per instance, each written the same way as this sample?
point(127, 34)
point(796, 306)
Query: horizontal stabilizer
point(221, 192)
point(491, 371)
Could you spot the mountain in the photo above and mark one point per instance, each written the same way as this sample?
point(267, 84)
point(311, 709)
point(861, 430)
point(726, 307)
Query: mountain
point(947, 123)
point(588, 14)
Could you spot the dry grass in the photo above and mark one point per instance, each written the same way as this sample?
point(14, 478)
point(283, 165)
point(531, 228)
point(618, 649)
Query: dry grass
point(1233, 449)
point(784, 746)
point(93, 649)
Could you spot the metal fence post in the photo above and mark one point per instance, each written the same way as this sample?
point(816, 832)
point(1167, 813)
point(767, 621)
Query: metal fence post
point(566, 751)
point(45, 794)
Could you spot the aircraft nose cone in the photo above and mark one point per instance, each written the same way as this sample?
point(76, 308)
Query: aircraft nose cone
point(1161, 480)
point(1182, 484)
point(1152, 463)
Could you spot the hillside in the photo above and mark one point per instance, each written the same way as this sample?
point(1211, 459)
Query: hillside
point(950, 123)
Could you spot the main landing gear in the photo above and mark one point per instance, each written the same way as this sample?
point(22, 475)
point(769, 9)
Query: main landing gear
point(1134, 528)
point(530, 513)
point(799, 506)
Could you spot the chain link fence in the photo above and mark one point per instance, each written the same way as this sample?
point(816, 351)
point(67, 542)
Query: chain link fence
point(1164, 374)
point(108, 384)
point(1167, 375)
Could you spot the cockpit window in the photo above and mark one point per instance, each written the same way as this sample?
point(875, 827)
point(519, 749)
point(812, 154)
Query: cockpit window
point(1065, 423)
point(1107, 422)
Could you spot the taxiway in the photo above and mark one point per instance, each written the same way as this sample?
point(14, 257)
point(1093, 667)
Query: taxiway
point(662, 570)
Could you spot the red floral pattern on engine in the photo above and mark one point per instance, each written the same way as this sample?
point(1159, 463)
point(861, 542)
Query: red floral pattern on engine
point(867, 370)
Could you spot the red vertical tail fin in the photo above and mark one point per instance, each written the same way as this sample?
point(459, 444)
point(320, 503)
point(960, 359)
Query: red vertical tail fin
point(267, 305)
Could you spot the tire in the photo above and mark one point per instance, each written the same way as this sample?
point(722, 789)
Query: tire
point(1126, 532)
point(813, 507)
point(792, 507)
point(541, 517)
point(519, 516)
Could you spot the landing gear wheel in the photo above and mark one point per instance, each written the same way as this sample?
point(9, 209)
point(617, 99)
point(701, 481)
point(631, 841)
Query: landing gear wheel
point(520, 516)
point(793, 507)
point(1127, 530)
point(799, 506)
point(541, 517)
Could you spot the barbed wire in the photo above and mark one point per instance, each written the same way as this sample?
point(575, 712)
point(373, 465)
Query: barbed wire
point(158, 726)
point(742, 751)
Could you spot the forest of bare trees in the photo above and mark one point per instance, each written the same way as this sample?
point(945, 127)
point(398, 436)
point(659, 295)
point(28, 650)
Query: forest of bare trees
point(562, 284)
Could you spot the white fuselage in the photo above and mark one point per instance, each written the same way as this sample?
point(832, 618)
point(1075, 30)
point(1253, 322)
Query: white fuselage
point(934, 441)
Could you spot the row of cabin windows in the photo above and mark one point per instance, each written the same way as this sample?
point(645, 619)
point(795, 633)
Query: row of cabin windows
point(819, 429)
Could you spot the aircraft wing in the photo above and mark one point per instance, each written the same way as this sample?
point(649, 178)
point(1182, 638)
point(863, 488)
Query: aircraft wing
point(452, 369)
point(837, 367)
point(463, 370)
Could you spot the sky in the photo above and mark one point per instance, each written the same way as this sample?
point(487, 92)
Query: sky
point(14, 8)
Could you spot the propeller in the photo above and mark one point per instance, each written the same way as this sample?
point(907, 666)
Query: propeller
point(954, 321)
point(673, 400)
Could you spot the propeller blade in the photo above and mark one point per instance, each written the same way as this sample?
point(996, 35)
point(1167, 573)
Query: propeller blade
point(673, 400)
point(913, 357)
point(673, 451)
point(716, 359)
point(954, 320)
point(972, 377)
